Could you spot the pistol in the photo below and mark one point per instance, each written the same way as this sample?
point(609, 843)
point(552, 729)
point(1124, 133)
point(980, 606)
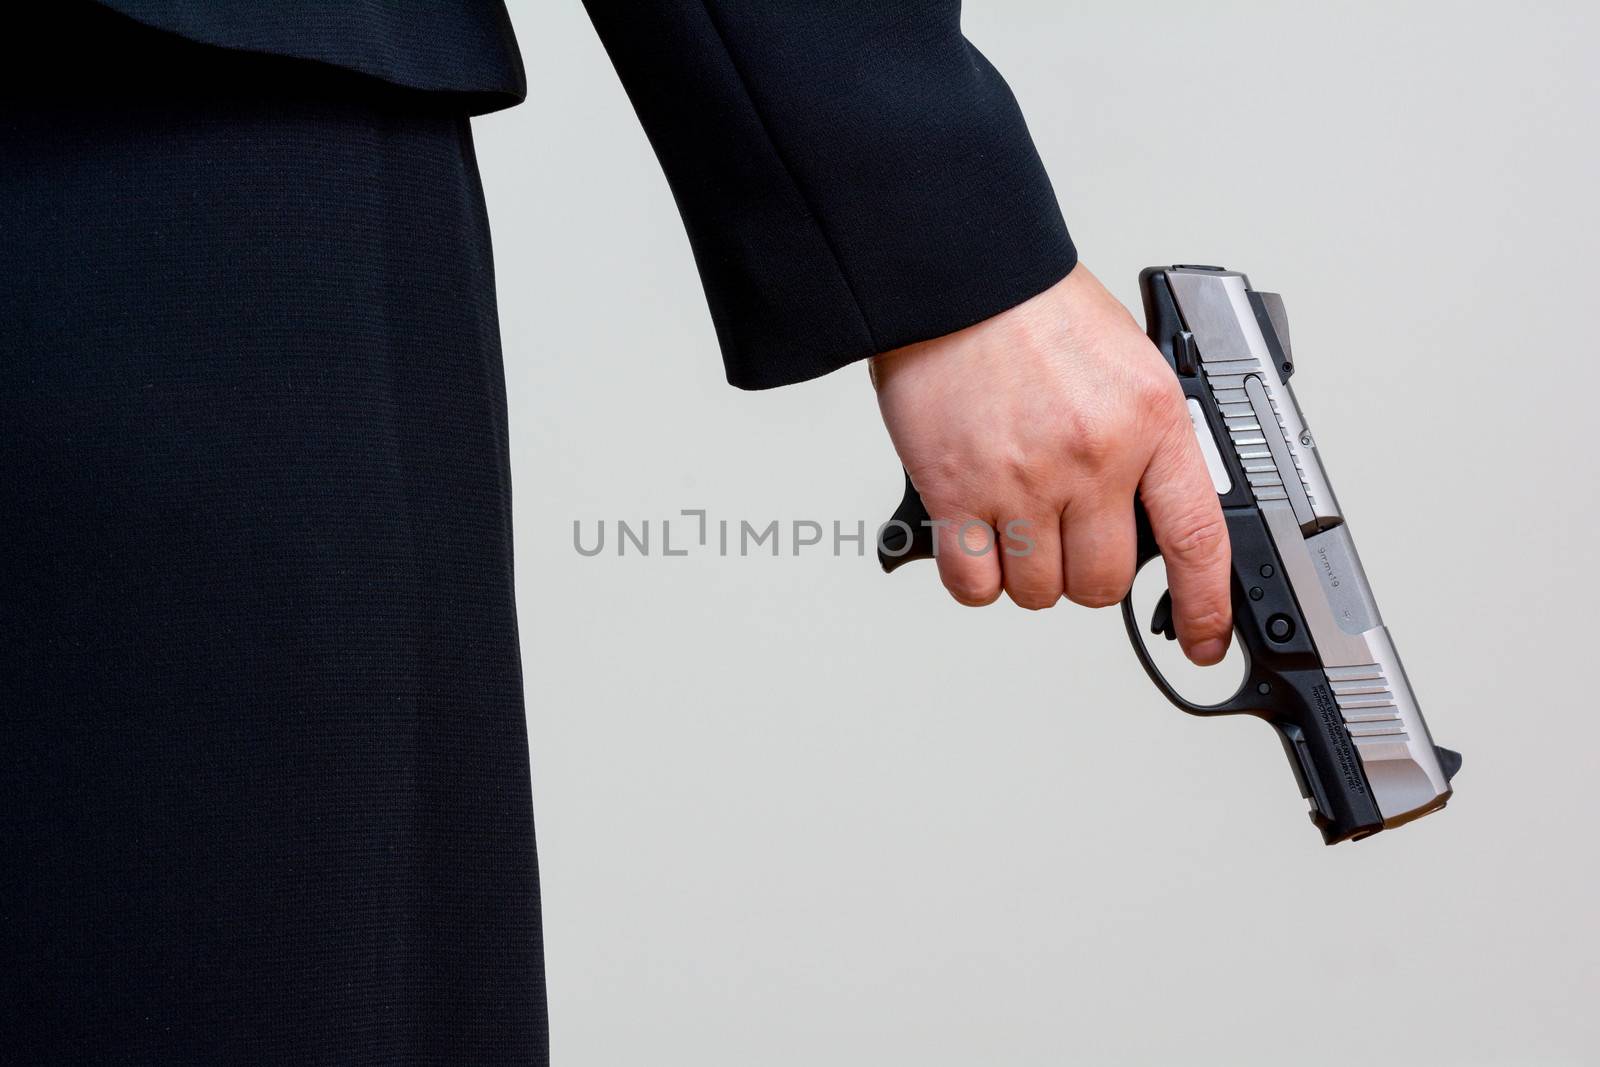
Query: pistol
point(1320, 664)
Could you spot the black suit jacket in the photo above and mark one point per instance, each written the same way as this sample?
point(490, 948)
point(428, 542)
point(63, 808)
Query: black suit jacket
point(853, 174)
point(456, 46)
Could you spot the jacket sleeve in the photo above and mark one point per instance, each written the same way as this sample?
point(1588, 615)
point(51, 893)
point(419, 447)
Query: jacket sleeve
point(853, 174)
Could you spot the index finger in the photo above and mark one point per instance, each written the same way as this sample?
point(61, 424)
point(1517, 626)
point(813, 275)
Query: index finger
point(1187, 521)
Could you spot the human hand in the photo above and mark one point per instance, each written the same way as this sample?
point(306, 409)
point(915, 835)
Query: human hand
point(1027, 435)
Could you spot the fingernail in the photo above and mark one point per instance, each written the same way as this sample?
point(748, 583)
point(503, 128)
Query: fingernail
point(1208, 652)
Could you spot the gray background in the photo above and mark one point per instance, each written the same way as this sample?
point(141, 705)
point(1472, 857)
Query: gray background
point(794, 812)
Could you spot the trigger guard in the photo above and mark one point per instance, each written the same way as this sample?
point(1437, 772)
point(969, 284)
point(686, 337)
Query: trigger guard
point(1232, 705)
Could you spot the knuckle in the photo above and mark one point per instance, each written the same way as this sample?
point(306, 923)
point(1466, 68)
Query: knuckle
point(1025, 470)
point(1099, 580)
point(1033, 597)
point(1168, 424)
point(1211, 622)
point(1094, 438)
point(1093, 453)
point(1161, 397)
point(941, 483)
point(1199, 539)
point(973, 593)
point(1099, 594)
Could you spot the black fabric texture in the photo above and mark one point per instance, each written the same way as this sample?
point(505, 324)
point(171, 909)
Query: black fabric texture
point(264, 783)
point(853, 176)
point(460, 47)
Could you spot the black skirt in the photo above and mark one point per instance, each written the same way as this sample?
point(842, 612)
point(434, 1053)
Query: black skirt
point(264, 790)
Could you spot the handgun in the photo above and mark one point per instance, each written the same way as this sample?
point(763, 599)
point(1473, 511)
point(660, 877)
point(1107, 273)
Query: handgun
point(1320, 666)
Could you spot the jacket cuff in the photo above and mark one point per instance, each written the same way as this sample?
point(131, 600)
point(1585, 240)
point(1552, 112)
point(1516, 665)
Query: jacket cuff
point(853, 177)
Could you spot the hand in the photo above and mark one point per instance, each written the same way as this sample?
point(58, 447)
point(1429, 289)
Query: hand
point(1029, 433)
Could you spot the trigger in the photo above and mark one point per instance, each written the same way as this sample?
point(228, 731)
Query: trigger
point(1161, 619)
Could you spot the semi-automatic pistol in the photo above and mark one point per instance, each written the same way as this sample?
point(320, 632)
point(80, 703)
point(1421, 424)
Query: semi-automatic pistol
point(1320, 665)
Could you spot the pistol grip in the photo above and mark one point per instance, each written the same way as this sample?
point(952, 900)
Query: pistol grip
point(908, 535)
